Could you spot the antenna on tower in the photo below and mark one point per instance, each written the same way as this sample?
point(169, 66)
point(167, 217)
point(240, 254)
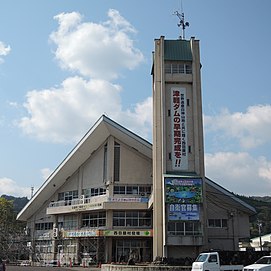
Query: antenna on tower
point(183, 24)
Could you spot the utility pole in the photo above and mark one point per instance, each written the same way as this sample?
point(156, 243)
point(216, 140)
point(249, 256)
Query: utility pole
point(259, 223)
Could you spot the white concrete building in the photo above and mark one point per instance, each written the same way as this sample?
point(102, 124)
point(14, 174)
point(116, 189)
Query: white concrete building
point(115, 193)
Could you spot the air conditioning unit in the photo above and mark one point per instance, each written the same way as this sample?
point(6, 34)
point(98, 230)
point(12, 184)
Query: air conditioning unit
point(55, 232)
point(82, 199)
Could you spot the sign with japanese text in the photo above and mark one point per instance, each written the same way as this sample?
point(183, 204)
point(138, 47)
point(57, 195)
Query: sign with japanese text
point(179, 130)
point(81, 233)
point(181, 211)
point(128, 233)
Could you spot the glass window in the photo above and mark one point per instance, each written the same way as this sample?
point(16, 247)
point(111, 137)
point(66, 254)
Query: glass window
point(181, 68)
point(94, 220)
point(68, 195)
point(188, 68)
point(92, 192)
point(175, 68)
point(119, 189)
point(141, 190)
point(70, 222)
point(105, 162)
point(44, 226)
point(167, 68)
point(116, 162)
point(132, 190)
point(184, 228)
point(132, 219)
point(217, 223)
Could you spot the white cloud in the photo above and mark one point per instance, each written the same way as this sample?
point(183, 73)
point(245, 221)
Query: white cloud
point(64, 114)
point(251, 129)
point(239, 172)
point(99, 52)
point(95, 50)
point(10, 187)
point(4, 50)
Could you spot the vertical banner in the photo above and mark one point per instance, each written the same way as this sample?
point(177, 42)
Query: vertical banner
point(179, 129)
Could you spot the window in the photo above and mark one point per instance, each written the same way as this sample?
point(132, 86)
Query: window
point(120, 190)
point(168, 68)
point(43, 246)
point(188, 68)
point(68, 196)
point(92, 192)
point(105, 162)
point(217, 223)
point(141, 190)
point(212, 258)
point(44, 226)
point(116, 162)
point(94, 220)
point(133, 219)
point(178, 68)
point(182, 228)
point(132, 190)
point(70, 222)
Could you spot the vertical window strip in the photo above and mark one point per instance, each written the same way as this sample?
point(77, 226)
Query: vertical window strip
point(116, 162)
point(105, 163)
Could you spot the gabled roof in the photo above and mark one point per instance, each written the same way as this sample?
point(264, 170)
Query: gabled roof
point(92, 140)
point(219, 192)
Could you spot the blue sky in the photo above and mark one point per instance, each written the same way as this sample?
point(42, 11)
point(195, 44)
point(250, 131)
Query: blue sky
point(65, 63)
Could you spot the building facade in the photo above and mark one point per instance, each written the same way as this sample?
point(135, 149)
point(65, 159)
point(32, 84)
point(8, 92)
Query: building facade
point(116, 195)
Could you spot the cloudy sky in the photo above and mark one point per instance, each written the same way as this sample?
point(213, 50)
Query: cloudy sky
point(65, 63)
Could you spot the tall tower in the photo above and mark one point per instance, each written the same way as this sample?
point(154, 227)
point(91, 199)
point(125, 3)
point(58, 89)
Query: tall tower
point(178, 155)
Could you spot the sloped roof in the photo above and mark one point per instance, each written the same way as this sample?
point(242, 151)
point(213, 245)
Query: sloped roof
point(92, 140)
point(178, 50)
point(215, 190)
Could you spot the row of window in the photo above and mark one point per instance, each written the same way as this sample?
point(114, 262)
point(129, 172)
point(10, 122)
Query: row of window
point(142, 190)
point(217, 223)
point(173, 68)
point(68, 195)
point(140, 219)
point(44, 226)
point(132, 190)
point(92, 192)
point(184, 228)
point(193, 227)
point(132, 219)
point(94, 220)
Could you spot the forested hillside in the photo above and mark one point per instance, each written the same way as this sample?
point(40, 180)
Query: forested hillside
point(263, 216)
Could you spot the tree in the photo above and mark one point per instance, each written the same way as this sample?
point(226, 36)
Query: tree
point(11, 232)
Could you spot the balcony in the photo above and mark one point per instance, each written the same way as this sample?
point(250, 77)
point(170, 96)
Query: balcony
point(97, 203)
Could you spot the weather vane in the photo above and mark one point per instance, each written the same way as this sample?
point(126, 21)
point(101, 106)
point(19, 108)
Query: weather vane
point(183, 24)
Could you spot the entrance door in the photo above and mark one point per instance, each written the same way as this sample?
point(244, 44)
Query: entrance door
point(141, 250)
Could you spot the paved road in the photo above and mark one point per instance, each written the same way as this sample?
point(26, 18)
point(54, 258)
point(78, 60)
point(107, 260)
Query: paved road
point(47, 268)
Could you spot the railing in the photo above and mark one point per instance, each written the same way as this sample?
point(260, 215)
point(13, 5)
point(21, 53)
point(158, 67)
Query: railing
point(96, 199)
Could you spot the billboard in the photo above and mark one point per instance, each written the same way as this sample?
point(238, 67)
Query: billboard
point(179, 129)
point(183, 190)
point(183, 197)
